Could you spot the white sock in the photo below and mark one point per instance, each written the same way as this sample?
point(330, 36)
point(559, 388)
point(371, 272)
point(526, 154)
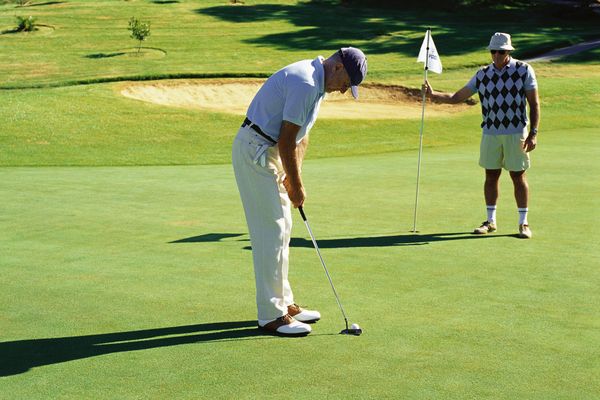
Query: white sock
point(491, 213)
point(523, 216)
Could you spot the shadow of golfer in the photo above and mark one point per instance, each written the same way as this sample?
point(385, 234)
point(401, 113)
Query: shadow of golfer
point(209, 237)
point(21, 355)
point(412, 239)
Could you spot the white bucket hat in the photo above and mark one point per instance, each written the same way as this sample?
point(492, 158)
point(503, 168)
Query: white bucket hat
point(500, 41)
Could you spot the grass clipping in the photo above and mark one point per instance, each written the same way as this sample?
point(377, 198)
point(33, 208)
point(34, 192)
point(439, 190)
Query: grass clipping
point(234, 95)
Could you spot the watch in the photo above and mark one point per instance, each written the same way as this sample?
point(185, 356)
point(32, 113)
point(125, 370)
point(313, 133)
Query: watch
point(533, 131)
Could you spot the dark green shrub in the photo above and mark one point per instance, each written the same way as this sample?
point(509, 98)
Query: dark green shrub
point(25, 24)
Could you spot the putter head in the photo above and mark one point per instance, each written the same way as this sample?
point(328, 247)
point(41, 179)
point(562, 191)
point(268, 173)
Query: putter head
point(351, 331)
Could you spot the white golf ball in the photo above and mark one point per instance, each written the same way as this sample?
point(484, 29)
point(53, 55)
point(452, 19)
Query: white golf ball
point(354, 326)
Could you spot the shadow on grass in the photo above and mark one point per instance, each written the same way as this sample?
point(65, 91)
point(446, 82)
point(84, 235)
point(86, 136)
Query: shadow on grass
point(104, 55)
point(165, 1)
point(412, 239)
point(321, 25)
point(21, 355)
point(36, 29)
point(209, 237)
point(48, 3)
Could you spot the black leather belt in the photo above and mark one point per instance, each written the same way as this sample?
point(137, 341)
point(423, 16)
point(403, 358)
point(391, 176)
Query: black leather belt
point(257, 129)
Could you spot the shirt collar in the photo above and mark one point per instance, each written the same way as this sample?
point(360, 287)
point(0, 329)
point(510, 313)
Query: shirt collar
point(511, 63)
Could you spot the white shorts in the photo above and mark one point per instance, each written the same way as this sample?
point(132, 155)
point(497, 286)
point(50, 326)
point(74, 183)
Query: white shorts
point(504, 151)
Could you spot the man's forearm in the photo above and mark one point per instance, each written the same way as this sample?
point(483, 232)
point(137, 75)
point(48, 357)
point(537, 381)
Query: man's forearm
point(450, 98)
point(301, 151)
point(534, 109)
point(442, 97)
point(534, 115)
point(289, 160)
point(289, 153)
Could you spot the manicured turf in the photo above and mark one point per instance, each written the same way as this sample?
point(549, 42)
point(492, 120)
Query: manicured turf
point(136, 282)
point(125, 262)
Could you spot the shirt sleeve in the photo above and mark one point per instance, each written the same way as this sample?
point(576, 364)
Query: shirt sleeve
point(299, 101)
point(530, 80)
point(472, 84)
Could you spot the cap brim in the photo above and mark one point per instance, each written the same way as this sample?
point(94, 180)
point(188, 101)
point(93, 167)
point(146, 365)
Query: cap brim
point(354, 90)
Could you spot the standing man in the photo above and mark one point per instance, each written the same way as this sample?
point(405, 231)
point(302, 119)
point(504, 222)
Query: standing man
point(267, 160)
point(504, 87)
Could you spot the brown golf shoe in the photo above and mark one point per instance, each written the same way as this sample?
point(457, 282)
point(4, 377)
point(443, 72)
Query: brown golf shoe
point(302, 315)
point(285, 326)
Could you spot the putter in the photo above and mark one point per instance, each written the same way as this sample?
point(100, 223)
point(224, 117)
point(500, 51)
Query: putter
point(354, 329)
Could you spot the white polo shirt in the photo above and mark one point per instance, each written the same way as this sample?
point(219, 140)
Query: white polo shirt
point(294, 94)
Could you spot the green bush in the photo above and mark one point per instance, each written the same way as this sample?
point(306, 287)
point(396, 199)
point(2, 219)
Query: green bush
point(25, 24)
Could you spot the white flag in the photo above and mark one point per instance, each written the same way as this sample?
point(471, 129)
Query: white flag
point(434, 63)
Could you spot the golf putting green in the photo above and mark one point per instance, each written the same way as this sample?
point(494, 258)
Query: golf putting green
point(125, 272)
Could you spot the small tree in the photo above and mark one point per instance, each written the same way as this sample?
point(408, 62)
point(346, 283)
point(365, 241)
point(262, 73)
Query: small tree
point(25, 24)
point(139, 30)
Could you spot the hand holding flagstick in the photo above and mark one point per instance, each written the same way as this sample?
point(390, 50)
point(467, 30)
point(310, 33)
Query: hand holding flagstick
point(428, 55)
point(427, 90)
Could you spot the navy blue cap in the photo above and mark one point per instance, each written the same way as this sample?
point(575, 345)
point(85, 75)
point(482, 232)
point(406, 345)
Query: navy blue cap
point(355, 63)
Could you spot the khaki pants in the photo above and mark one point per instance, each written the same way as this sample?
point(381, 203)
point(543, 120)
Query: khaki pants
point(269, 219)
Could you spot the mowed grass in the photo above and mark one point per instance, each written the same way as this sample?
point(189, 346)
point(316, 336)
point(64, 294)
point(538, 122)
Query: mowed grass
point(127, 282)
point(83, 40)
point(94, 125)
point(126, 271)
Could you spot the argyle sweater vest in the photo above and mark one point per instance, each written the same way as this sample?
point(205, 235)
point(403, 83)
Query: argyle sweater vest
point(503, 100)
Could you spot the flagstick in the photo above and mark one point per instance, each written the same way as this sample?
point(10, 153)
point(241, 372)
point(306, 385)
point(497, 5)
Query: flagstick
point(414, 229)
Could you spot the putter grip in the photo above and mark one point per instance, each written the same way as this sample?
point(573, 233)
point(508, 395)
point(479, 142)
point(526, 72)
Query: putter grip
point(302, 213)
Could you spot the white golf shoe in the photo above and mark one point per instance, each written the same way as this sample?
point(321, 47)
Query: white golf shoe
point(486, 227)
point(285, 326)
point(302, 315)
point(525, 231)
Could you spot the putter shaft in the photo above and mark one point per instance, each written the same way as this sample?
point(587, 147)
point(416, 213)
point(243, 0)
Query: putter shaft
point(312, 237)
